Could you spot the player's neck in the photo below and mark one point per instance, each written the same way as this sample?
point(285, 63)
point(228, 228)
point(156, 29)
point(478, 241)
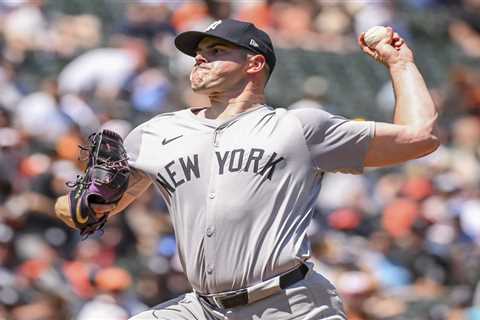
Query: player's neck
point(225, 106)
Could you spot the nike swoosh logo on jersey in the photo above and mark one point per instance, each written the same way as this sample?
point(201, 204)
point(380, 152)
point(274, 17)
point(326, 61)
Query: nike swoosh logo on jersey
point(165, 141)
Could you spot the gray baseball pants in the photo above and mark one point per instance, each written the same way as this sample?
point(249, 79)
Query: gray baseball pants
point(313, 298)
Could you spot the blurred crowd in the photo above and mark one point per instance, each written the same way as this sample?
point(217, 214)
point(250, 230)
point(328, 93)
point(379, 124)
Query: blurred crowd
point(399, 243)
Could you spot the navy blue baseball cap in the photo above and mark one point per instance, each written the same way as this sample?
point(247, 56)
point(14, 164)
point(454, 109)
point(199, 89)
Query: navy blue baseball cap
point(239, 33)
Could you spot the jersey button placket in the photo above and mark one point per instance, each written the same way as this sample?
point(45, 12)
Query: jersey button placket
point(210, 269)
point(210, 249)
point(210, 231)
point(216, 138)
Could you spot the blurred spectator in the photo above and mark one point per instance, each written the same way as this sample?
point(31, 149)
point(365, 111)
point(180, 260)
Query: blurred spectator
point(334, 197)
point(465, 30)
point(148, 91)
point(100, 69)
point(40, 108)
point(78, 271)
point(258, 12)
point(24, 29)
point(293, 24)
point(219, 9)
point(464, 92)
point(72, 35)
point(111, 301)
point(465, 151)
point(42, 306)
point(147, 20)
point(11, 92)
point(334, 24)
point(315, 90)
point(189, 14)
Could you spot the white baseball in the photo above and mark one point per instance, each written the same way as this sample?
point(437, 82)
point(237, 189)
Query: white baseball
point(374, 35)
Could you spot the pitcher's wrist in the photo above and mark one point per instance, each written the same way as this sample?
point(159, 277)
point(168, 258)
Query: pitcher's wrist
point(400, 65)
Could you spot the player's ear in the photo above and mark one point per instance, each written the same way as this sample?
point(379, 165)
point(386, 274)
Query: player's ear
point(256, 63)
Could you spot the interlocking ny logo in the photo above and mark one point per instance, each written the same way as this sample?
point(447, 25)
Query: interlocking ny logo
point(213, 25)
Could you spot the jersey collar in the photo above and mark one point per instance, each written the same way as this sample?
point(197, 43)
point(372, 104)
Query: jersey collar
point(192, 114)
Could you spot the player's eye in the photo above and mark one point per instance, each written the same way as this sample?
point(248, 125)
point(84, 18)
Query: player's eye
point(217, 50)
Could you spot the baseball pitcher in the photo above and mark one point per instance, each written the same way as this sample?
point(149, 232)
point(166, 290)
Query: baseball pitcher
point(240, 178)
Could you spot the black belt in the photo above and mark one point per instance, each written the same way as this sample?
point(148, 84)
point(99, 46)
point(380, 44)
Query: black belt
point(240, 297)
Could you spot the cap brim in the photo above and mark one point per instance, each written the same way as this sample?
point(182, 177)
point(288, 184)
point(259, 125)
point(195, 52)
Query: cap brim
point(187, 42)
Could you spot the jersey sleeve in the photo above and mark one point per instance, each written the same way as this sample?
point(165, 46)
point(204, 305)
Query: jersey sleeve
point(133, 145)
point(335, 143)
point(139, 181)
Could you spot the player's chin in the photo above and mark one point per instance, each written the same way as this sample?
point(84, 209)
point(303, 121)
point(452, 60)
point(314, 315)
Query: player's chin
point(201, 89)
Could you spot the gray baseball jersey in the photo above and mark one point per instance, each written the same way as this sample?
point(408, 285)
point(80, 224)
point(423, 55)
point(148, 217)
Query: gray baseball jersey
point(241, 192)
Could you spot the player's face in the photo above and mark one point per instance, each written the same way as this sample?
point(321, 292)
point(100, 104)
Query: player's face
point(219, 67)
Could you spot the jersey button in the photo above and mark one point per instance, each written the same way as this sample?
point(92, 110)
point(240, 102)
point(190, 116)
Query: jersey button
point(210, 269)
point(210, 231)
point(211, 195)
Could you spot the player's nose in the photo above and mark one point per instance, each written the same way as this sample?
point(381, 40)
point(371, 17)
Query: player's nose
point(199, 59)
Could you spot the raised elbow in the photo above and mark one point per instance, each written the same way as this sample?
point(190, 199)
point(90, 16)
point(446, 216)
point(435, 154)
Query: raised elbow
point(433, 144)
point(429, 143)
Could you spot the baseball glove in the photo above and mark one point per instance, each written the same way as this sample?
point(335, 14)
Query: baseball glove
point(104, 181)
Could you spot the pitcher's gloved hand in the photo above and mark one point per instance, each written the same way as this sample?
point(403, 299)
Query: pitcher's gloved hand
point(95, 193)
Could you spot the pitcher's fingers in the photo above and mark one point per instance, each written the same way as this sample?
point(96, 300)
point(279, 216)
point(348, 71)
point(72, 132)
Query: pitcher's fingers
point(361, 40)
point(398, 43)
point(367, 49)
